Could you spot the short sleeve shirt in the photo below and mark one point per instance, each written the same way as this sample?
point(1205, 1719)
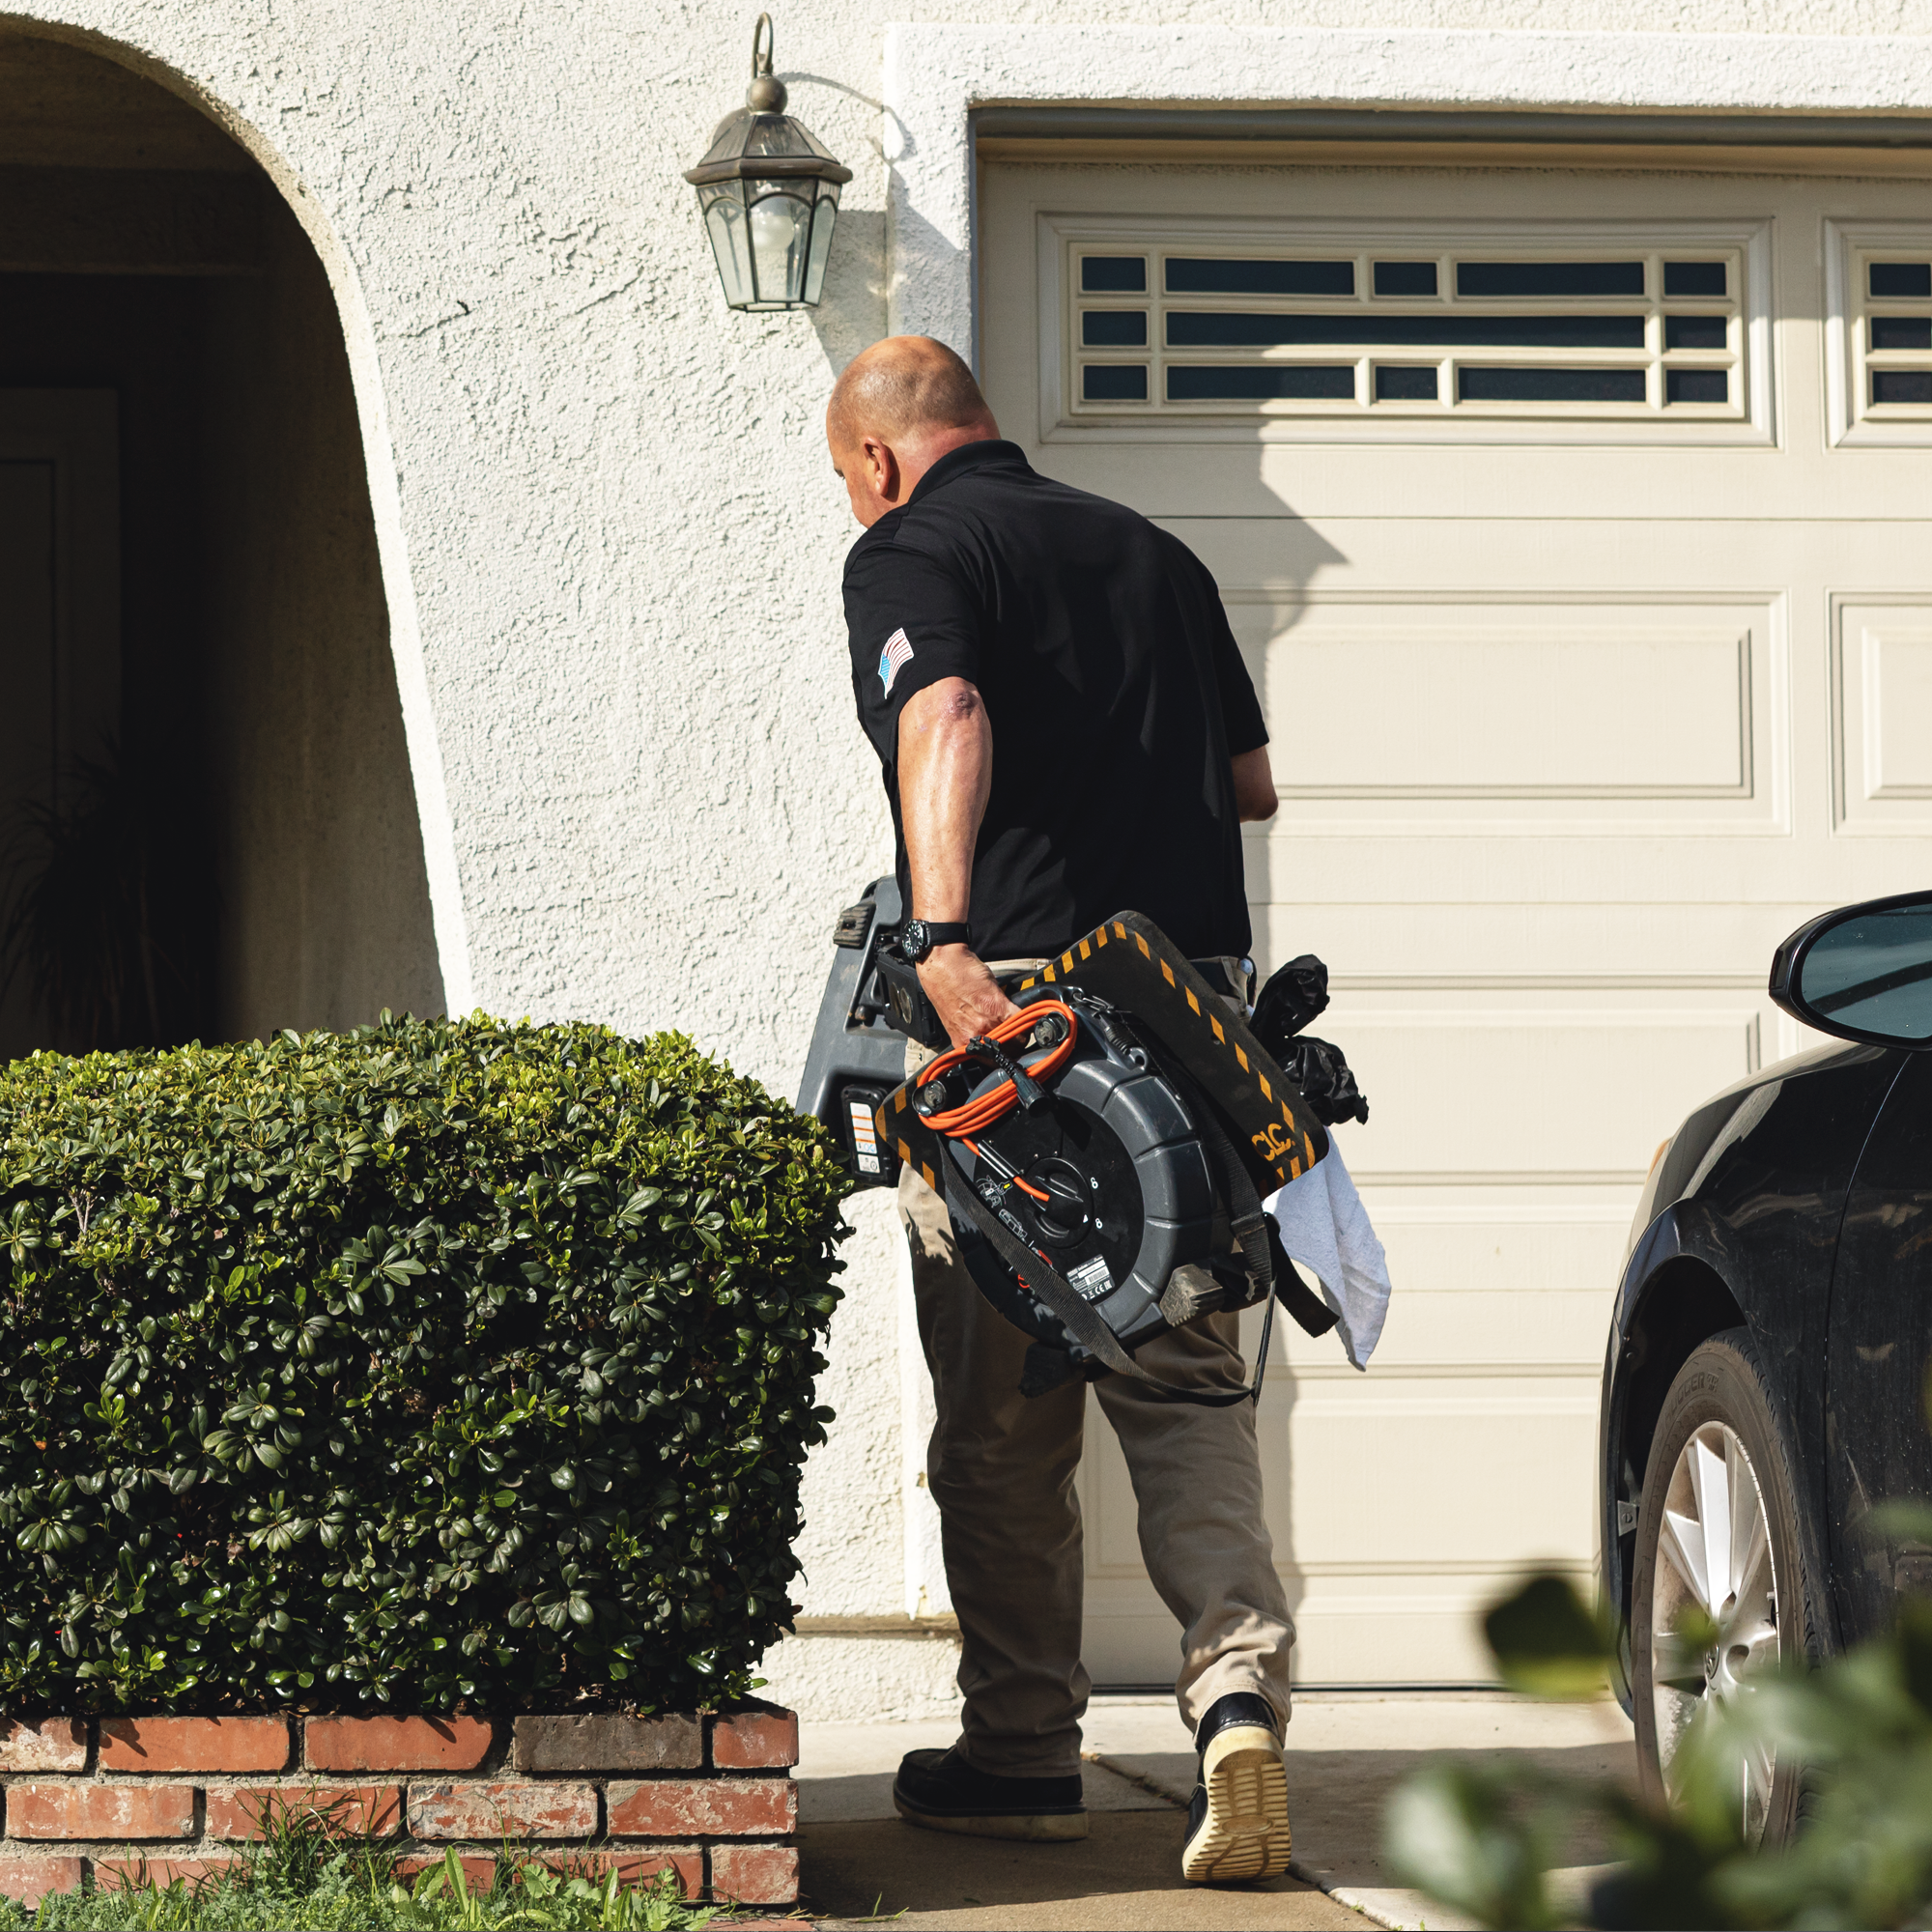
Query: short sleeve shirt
point(1115, 690)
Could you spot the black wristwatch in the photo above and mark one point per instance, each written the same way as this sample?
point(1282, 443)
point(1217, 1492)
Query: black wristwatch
point(919, 936)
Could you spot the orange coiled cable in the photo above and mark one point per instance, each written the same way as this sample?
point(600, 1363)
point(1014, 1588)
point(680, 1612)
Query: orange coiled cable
point(977, 1116)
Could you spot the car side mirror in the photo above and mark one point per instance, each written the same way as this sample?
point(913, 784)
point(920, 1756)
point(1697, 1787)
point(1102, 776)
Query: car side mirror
point(1863, 973)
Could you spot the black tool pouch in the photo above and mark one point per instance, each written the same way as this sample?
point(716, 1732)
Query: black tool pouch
point(908, 1010)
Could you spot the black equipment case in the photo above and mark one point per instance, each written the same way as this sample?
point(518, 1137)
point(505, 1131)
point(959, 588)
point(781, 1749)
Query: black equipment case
point(855, 1059)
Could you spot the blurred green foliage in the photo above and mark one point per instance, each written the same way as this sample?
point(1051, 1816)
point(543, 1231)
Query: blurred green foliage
point(1485, 1838)
point(439, 1363)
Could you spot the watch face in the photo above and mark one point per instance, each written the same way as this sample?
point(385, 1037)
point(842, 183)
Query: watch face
point(917, 943)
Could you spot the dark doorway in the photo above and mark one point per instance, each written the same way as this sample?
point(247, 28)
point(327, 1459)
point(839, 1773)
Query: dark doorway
point(206, 811)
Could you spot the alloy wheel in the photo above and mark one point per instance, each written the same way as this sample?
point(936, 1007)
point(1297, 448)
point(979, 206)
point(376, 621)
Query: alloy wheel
point(1714, 1556)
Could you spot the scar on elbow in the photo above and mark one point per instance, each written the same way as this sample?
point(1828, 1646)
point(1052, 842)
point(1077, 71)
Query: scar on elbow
point(951, 701)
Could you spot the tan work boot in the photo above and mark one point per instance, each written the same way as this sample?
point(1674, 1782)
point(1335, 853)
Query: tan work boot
point(1237, 1819)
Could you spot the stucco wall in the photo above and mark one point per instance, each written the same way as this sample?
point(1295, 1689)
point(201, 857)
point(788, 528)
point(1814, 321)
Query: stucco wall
point(324, 916)
point(608, 534)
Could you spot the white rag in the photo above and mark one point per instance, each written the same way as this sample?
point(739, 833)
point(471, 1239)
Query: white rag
point(1324, 1226)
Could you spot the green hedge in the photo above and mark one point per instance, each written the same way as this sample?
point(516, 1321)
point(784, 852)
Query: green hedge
point(438, 1364)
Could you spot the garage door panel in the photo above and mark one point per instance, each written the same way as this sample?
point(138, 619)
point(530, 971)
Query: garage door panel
point(1532, 1328)
point(1471, 1239)
point(1500, 864)
point(1369, 1486)
point(1882, 714)
point(1409, 1625)
point(1469, 709)
point(1516, 710)
point(1301, 907)
point(1532, 1088)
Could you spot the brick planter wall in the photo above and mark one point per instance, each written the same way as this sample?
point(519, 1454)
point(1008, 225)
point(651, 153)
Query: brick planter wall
point(708, 1794)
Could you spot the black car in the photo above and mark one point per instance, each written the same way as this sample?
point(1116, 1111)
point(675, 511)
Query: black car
point(1766, 1379)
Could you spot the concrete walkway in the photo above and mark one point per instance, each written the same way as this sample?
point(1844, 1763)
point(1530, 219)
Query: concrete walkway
point(1346, 1752)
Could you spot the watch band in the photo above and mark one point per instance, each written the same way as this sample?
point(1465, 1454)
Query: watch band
point(922, 935)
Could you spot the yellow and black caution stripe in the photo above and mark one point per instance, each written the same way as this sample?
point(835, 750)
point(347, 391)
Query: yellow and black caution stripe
point(1146, 975)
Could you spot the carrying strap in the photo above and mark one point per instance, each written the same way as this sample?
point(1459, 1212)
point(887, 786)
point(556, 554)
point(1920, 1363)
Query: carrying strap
point(1250, 1223)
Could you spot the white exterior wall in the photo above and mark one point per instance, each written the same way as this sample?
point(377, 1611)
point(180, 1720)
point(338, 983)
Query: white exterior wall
point(610, 537)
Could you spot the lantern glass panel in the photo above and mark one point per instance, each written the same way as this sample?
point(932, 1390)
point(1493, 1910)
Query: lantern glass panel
point(730, 242)
point(823, 219)
point(781, 237)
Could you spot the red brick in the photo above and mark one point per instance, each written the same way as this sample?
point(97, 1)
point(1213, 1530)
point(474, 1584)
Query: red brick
point(396, 1743)
point(99, 1811)
point(754, 1739)
point(194, 1743)
point(130, 1874)
point(351, 1811)
point(43, 1744)
point(503, 1811)
point(479, 1868)
point(635, 1867)
point(754, 1874)
point(27, 1880)
point(692, 1807)
point(608, 1744)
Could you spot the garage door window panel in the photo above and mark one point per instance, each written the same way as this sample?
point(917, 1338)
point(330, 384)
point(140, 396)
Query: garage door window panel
point(1269, 331)
point(1879, 300)
point(1898, 360)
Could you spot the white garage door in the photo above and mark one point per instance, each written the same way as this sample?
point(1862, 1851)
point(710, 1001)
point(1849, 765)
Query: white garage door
point(1574, 528)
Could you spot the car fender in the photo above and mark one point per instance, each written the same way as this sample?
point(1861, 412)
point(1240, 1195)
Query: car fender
point(1682, 1255)
point(1751, 1190)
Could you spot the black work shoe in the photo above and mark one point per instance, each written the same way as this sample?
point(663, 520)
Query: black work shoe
point(1238, 1819)
point(941, 1791)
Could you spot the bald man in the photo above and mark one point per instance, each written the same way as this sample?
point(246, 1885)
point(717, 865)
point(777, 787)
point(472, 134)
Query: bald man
point(1066, 729)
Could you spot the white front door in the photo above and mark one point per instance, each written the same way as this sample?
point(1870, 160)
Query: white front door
point(1573, 526)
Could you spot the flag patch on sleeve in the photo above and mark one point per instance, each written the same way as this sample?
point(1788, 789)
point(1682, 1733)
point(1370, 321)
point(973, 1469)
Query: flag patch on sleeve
point(893, 659)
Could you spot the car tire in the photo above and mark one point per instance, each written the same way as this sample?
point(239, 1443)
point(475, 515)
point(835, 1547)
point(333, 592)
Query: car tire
point(1720, 1453)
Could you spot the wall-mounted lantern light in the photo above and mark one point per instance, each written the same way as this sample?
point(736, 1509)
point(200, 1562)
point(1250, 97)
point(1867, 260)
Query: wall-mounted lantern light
point(769, 193)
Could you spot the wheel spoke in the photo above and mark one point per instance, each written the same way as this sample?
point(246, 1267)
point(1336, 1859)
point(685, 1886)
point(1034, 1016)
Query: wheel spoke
point(1756, 1604)
point(1711, 1484)
point(1676, 1711)
point(1680, 1538)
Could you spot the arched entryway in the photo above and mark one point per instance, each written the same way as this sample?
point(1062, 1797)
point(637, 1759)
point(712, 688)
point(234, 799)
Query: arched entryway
point(207, 826)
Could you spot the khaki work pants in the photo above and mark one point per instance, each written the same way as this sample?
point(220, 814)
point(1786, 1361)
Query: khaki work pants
point(1001, 1468)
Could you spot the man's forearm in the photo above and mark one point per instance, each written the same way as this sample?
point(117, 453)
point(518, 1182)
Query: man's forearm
point(945, 775)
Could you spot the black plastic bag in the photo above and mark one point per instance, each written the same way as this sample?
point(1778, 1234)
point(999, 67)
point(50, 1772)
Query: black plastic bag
point(1325, 1081)
point(1294, 994)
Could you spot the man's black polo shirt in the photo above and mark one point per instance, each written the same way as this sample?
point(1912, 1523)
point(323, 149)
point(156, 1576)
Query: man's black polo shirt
point(1113, 685)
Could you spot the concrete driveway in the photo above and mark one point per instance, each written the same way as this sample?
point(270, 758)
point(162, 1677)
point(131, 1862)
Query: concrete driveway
point(1346, 1752)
